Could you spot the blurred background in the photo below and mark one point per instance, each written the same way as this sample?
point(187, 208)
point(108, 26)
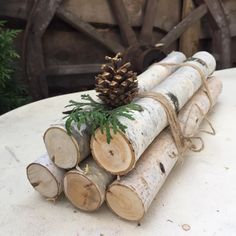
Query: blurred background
point(53, 47)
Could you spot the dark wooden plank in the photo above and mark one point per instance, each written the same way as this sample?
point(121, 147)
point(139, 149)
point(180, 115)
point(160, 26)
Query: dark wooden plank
point(74, 47)
point(73, 69)
point(88, 29)
point(180, 28)
point(14, 9)
point(220, 31)
point(41, 16)
point(230, 11)
point(99, 11)
point(148, 22)
point(189, 41)
point(122, 19)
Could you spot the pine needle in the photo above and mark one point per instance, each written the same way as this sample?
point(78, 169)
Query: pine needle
point(97, 115)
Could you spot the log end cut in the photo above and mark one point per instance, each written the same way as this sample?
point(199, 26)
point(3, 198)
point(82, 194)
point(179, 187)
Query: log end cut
point(43, 181)
point(81, 191)
point(117, 157)
point(61, 147)
point(125, 202)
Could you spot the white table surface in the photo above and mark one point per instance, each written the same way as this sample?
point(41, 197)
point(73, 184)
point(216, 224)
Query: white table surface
point(201, 192)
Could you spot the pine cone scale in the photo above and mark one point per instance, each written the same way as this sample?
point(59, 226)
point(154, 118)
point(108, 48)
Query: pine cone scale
point(117, 85)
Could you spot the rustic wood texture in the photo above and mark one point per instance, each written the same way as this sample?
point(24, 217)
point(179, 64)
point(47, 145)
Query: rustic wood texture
point(139, 13)
point(73, 69)
point(89, 11)
point(148, 22)
point(189, 40)
point(75, 47)
point(234, 50)
point(230, 11)
point(15, 8)
point(120, 13)
point(180, 28)
point(41, 16)
point(88, 29)
point(220, 31)
point(165, 19)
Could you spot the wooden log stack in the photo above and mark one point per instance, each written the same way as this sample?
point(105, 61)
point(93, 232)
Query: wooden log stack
point(66, 151)
point(147, 144)
point(125, 149)
point(131, 196)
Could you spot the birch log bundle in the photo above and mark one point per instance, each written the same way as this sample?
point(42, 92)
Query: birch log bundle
point(131, 197)
point(66, 151)
point(86, 184)
point(121, 155)
point(85, 187)
point(45, 177)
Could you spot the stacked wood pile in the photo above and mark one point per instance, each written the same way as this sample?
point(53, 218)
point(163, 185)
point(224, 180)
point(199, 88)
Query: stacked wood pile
point(86, 166)
point(72, 58)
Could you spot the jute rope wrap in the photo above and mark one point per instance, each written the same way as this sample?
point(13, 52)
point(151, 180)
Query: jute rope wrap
point(202, 76)
point(171, 117)
point(182, 142)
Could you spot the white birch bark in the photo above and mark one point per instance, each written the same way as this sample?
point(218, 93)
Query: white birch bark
point(120, 156)
point(155, 74)
point(65, 150)
point(131, 197)
point(85, 187)
point(45, 177)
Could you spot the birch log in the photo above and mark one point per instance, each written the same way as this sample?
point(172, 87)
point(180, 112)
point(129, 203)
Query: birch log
point(65, 150)
point(120, 156)
point(131, 197)
point(155, 74)
point(85, 187)
point(45, 177)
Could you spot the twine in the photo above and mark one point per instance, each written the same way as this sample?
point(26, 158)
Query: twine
point(202, 75)
point(171, 117)
point(85, 171)
point(182, 142)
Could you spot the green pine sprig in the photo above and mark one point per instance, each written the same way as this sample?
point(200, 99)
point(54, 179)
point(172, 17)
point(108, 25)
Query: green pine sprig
point(97, 115)
point(12, 91)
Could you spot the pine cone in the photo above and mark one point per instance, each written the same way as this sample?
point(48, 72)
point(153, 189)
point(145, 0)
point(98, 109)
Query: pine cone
point(116, 85)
